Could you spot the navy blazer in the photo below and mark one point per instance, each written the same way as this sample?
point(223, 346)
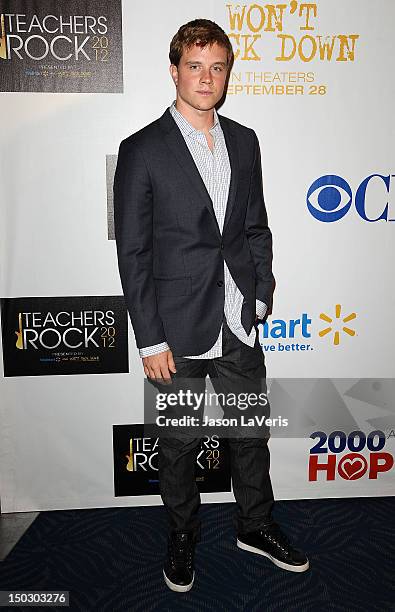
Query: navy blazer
point(170, 249)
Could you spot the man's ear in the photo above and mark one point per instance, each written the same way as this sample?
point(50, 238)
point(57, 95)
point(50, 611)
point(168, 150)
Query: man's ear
point(174, 73)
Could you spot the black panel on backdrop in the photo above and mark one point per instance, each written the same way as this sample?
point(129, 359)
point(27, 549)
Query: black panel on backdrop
point(136, 463)
point(61, 46)
point(64, 335)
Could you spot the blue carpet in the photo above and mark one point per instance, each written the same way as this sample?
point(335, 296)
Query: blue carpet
point(111, 560)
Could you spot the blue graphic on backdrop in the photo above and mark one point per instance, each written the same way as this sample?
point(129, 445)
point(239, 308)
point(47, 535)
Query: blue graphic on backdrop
point(329, 198)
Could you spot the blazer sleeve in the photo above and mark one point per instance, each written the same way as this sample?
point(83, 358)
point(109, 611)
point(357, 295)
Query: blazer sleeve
point(133, 210)
point(258, 233)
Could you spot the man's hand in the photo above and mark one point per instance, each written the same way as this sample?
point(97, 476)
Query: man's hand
point(159, 366)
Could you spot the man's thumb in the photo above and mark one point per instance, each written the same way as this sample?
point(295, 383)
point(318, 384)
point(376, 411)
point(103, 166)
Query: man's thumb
point(170, 362)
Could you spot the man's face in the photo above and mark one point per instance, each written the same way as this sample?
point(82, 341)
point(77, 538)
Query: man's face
point(200, 76)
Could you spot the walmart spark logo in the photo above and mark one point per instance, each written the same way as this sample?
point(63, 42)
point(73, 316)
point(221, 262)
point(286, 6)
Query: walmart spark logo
point(336, 325)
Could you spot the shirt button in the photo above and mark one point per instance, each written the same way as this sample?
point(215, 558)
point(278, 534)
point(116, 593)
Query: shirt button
point(220, 283)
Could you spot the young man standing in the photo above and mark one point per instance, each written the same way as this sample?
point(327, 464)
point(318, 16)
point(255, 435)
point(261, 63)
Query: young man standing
point(195, 260)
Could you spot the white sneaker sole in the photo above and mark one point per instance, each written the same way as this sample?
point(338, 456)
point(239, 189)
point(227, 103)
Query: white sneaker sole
point(178, 587)
point(284, 566)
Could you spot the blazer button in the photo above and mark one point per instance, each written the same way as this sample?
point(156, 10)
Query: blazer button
point(220, 283)
point(222, 245)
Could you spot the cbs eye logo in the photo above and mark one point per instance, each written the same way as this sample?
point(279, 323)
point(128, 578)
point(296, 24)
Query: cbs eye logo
point(330, 197)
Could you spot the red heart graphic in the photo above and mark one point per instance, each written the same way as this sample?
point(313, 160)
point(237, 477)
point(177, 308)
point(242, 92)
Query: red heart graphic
point(352, 466)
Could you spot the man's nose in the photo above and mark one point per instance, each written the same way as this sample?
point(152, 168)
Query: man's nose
point(206, 76)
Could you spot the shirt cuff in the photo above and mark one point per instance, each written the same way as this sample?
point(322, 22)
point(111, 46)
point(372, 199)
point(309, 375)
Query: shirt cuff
point(147, 351)
point(260, 309)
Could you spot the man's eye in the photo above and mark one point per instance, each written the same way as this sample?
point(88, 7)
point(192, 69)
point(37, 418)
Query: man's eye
point(219, 68)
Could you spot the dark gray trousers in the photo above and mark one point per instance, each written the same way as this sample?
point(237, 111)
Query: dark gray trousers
point(241, 368)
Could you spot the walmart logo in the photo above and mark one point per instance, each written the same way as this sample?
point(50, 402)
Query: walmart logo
point(337, 323)
point(298, 334)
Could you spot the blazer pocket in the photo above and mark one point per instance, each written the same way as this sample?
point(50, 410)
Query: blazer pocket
point(181, 285)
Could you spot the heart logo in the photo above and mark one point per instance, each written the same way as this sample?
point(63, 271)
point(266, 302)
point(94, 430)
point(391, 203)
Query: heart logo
point(353, 466)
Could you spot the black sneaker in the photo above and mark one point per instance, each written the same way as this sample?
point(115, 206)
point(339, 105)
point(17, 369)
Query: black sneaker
point(271, 542)
point(178, 570)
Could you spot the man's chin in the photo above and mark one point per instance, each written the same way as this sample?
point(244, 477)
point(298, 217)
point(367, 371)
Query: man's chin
point(205, 103)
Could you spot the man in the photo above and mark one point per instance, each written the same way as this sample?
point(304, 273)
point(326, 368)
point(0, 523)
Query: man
point(195, 254)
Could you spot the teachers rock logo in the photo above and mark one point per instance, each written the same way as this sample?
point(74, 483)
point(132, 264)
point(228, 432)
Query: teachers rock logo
point(136, 462)
point(66, 46)
point(64, 335)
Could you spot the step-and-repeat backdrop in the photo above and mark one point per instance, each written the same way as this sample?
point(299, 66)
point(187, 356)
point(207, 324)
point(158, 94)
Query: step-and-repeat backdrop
point(316, 81)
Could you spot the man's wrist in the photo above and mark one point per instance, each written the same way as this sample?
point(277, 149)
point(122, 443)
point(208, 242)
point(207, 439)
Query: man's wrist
point(147, 351)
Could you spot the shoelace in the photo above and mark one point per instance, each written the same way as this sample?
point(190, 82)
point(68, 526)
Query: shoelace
point(277, 537)
point(181, 552)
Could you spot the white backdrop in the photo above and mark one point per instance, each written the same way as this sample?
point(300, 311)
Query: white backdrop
point(56, 431)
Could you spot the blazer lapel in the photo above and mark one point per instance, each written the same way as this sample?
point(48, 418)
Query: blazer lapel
point(231, 145)
point(177, 145)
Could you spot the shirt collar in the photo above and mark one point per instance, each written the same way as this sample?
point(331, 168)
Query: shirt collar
point(185, 126)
